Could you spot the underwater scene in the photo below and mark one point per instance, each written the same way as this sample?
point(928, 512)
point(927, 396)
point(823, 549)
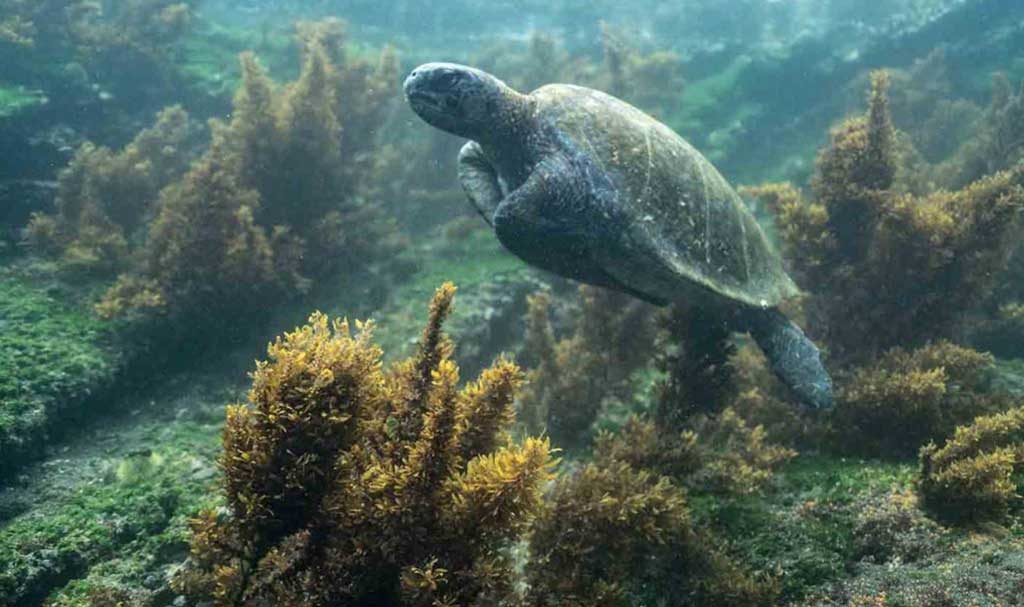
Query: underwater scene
point(480, 303)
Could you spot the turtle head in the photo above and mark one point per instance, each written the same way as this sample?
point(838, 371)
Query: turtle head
point(460, 100)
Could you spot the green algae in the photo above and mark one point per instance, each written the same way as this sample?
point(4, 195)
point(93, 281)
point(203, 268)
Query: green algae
point(119, 529)
point(802, 529)
point(53, 357)
point(808, 531)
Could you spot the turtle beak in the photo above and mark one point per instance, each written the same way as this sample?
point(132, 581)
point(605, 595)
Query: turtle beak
point(440, 93)
point(417, 91)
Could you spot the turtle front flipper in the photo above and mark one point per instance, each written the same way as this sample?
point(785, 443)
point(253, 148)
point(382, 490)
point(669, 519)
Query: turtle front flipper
point(530, 223)
point(479, 180)
point(558, 222)
point(547, 223)
point(793, 356)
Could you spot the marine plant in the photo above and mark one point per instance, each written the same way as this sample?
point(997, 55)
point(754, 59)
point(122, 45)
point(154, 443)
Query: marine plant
point(906, 398)
point(720, 454)
point(613, 535)
point(348, 483)
point(977, 474)
point(694, 434)
point(1000, 328)
point(275, 203)
point(996, 144)
point(205, 255)
point(891, 275)
point(145, 29)
point(653, 81)
point(761, 400)
point(305, 146)
point(694, 348)
point(887, 268)
point(572, 378)
point(130, 48)
point(935, 123)
point(104, 197)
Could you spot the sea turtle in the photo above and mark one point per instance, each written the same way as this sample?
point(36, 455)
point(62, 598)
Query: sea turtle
point(584, 185)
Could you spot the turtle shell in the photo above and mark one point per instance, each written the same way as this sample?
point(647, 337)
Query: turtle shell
point(680, 217)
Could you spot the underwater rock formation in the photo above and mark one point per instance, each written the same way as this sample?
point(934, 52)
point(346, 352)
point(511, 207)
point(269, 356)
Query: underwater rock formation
point(977, 474)
point(58, 365)
point(893, 529)
point(351, 484)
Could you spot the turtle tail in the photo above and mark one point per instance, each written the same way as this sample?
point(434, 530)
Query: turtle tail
point(793, 357)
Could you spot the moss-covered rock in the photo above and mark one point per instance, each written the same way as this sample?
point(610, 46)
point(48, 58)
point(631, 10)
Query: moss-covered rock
point(56, 360)
point(981, 570)
point(116, 528)
point(802, 529)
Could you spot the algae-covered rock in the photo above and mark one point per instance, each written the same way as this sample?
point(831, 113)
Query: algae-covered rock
point(56, 362)
point(102, 525)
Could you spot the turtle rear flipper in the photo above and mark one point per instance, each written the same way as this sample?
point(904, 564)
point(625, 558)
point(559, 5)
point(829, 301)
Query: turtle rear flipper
point(793, 357)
